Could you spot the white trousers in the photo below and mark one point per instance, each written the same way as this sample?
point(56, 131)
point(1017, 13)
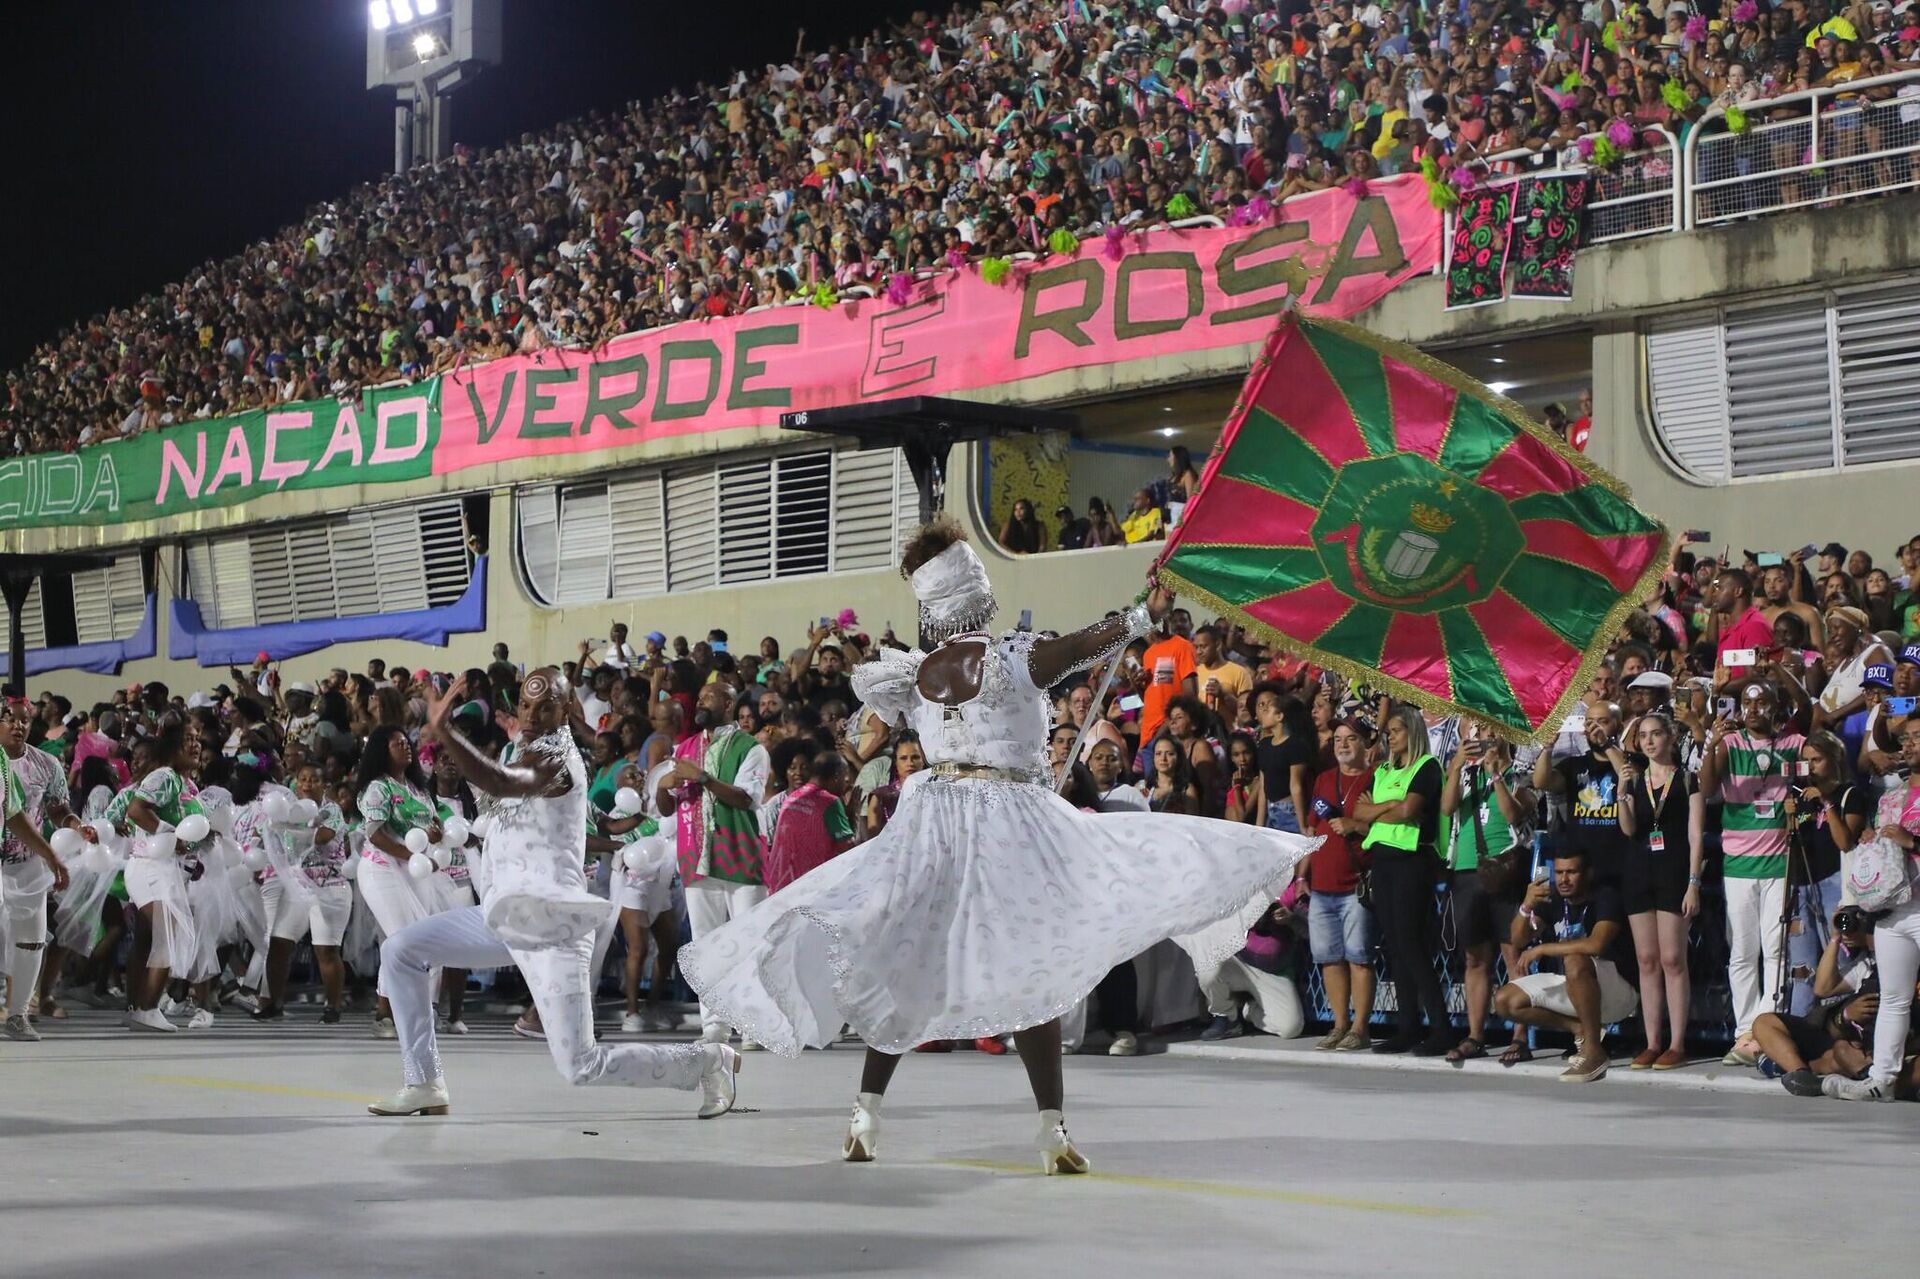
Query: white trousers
point(561, 984)
point(1754, 938)
point(397, 901)
point(1274, 1005)
point(1896, 949)
point(711, 903)
point(27, 945)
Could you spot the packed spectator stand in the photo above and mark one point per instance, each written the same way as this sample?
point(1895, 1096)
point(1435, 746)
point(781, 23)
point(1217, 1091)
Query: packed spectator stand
point(934, 143)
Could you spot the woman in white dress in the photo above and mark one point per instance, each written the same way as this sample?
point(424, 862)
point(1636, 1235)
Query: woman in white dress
point(1034, 900)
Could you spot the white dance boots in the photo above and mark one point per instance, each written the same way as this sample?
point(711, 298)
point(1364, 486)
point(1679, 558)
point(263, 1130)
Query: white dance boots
point(719, 1079)
point(1057, 1154)
point(429, 1098)
point(863, 1136)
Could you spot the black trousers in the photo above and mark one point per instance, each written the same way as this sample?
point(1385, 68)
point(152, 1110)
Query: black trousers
point(1117, 1000)
point(1403, 886)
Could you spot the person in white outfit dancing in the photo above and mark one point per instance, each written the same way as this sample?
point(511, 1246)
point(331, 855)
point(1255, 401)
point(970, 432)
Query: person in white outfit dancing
point(29, 870)
point(535, 911)
point(989, 904)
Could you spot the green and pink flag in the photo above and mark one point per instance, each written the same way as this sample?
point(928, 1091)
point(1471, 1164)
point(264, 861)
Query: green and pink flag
point(1386, 516)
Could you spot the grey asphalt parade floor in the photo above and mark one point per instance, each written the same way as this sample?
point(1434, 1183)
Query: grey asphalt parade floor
point(245, 1150)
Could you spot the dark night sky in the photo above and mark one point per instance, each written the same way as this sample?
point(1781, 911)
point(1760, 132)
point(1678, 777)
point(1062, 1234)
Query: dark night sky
point(172, 131)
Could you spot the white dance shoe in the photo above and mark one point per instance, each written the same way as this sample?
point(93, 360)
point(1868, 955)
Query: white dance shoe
point(429, 1098)
point(149, 1019)
point(863, 1135)
point(719, 1080)
point(202, 1019)
point(1057, 1154)
point(18, 1027)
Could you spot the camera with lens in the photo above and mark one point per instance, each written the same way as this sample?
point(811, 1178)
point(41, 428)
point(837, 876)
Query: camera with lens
point(1852, 919)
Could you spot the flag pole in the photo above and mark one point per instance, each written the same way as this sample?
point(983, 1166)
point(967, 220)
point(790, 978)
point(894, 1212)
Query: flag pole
point(1100, 695)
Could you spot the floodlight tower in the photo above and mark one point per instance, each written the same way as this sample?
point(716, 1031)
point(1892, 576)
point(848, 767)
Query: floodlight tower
point(423, 50)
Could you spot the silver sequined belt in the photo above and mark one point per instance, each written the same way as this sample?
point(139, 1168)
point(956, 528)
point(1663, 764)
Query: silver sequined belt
point(988, 773)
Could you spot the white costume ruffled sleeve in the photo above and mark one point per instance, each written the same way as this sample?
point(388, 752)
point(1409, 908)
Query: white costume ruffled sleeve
point(886, 684)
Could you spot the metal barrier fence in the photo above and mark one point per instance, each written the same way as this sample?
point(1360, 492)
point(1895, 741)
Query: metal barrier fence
point(1805, 150)
point(1641, 195)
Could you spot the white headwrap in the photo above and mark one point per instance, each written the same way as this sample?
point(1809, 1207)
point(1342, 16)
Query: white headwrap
point(953, 591)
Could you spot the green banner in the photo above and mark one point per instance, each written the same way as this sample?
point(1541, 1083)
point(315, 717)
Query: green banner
point(379, 437)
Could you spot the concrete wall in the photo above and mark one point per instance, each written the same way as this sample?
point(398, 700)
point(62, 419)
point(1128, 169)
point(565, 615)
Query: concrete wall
point(1616, 287)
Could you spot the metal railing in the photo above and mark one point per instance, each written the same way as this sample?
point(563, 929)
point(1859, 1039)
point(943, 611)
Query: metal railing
point(1641, 195)
point(1805, 150)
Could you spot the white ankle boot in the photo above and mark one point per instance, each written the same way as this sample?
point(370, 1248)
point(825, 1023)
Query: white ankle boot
point(863, 1136)
point(1057, 1154)
point(719, 1080)
point(429, 1098)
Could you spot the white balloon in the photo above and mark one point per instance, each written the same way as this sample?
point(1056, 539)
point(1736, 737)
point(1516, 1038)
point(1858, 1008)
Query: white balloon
point(633, 858)
point(254, 859)
point(455, 832)
point(66, 842)
point(442, 856)
point(221, 819)
point(350, 868)
point(417, 840)
point(193, 828)
point(419, 867)
point(277, 807)
point(626, 802)
point(163, 842)
point(303, 812)
point(481, 825)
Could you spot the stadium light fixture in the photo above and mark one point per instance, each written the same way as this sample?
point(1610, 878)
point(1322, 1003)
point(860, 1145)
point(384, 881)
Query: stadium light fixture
point(423, 46)
point(379, 16)
point(402, 10)
point(427, 8)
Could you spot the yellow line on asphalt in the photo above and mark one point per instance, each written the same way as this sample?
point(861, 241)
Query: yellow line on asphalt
point(242, 1085)
point(1230, 1191)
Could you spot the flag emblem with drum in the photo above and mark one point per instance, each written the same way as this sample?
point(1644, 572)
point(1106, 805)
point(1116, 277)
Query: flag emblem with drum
point(1384, 515)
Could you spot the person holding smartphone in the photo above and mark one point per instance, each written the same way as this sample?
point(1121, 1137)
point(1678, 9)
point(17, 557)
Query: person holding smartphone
point(1492, 808)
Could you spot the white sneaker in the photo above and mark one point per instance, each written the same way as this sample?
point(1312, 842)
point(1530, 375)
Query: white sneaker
point(1057, 1154)
point(863, 1134)
point(1840, 1088)
point(455, 1026)
point(202, 1019)
point(719, 1080)
point(171, 1007)
point(383, 1028)
point(429, 1098)
point(149, 1019)
point(631, 1024)
point(1125, 1044)
point(20, 1028)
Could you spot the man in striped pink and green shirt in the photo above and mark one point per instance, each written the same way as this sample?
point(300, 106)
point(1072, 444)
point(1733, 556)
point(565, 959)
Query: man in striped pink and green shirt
point(1752, 767)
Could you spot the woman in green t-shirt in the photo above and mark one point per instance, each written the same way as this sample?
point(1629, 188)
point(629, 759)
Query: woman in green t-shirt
point(1404, 807)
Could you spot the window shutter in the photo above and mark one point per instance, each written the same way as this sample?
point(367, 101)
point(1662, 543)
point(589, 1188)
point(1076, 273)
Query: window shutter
point(802, 514)
point(356, 569)
point(1779, 387)
point(1877, 333)
point(538, 510)
point(92, 607)
point(584, 538)
point(127, 593)
point(906, 502)
point(445, 563)
point(310, 554)
point(746, 521)
point(272, 577)
point(863, 509)
point(692, 554)
point(200, 587)
point(33, 621)
point(232, 583)
point(637, 527)
point(1687, 376)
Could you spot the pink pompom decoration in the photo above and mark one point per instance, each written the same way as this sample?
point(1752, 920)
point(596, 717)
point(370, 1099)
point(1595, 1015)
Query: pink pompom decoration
point(1258, 209)
point(1584, 145)
point(1746, 11)
point(899, 288)
point(1116, 245)
point(1234, 6)
point(1355, 187)
point(1620, 133)
point(1696, 28)
point(956, 259)
point(847, 619)
point(1462, 179)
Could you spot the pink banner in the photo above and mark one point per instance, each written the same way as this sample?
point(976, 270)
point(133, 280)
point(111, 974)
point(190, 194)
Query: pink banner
point(1333, 253)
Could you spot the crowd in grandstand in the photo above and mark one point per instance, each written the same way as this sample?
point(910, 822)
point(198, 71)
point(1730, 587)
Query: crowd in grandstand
point(1752, 730)
point(918, 148)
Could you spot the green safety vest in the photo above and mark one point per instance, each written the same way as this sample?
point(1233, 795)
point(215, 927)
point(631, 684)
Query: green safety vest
point(1390, 786)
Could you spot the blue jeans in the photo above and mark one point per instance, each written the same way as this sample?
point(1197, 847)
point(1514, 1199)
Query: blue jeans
point(1281, 816)
point(1813, 907)
point(1339, 929)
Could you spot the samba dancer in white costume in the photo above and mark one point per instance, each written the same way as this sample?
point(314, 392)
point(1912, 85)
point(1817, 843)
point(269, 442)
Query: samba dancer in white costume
point(29, 871)
point(535, 911)
point(988, 904)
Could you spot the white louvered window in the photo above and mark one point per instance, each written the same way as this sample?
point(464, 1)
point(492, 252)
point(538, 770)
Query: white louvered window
point(585, 539)
point(692, 554)
point(1813, 382)
point(736, 522)
point(33, 619)
point(1877, 342)
point(397, 559)
point(109, 603)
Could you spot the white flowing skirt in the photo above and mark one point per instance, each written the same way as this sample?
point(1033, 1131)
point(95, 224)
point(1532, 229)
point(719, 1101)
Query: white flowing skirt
point(983, 907)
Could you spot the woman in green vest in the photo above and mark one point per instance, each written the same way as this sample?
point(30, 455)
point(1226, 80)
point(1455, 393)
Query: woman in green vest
point(1404, 807)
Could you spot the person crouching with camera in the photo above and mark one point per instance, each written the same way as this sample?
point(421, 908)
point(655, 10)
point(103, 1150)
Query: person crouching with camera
point(1835, 1037)
point(1582, 925)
